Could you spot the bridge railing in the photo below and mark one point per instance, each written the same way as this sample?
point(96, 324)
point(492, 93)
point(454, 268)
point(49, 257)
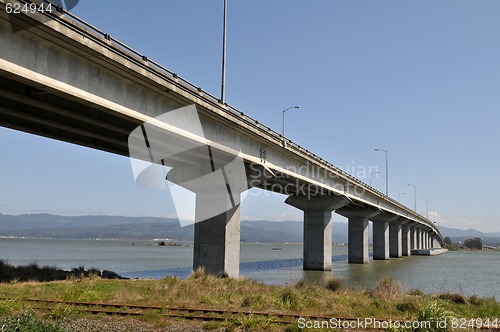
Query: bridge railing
point(163, 72)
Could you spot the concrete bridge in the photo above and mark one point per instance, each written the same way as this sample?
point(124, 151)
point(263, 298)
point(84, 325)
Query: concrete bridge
point(64, 79)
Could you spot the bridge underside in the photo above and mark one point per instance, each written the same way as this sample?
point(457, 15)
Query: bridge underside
point(27, 107)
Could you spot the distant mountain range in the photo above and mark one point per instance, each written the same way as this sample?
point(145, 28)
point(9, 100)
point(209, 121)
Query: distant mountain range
point(147, 228)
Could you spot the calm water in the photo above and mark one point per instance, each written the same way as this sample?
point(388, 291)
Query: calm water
point(465, 272)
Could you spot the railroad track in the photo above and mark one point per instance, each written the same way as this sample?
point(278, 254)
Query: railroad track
point(203, 314)
point(175, 312)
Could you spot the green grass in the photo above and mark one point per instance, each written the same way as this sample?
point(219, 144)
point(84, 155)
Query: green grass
point(27, 321)
point(386, 300)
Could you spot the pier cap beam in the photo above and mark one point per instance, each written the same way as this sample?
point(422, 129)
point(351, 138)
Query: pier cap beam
point(317, 227)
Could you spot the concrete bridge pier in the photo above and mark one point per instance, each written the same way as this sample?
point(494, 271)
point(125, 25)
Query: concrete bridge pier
point(381, 241)
point(423, 245)
point(217, 240)
point(419, 238)
point(217, 214)
point(317, 228)
point(395, 240)
point(358, 219)
point(406, 239)
point(413, 236)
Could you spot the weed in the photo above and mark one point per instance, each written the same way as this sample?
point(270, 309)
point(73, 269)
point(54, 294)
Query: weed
point(434, 313)
point(61, 312)
point(251, 322)
point(199, 273)
point(7, 307)
point(28, 321)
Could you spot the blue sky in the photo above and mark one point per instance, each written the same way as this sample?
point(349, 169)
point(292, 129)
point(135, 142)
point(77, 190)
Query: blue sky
point(420, 79)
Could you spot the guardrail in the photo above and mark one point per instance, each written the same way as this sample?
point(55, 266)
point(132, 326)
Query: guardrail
point(163, 72)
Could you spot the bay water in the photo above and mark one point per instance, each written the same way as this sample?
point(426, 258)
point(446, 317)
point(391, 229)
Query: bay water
point(466, 272)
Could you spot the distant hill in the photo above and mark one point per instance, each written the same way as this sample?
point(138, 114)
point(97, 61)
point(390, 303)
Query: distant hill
point(459, 235)
point(146, 228)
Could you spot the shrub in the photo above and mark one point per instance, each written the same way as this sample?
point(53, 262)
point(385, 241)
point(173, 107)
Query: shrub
point(453, 297)
point(333, 284)
point(387, 289)
point(476, 300)
point(411, 305)
point(289, 299)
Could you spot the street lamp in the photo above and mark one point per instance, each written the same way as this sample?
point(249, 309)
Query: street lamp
point(370, 176)
point(427, 205)
point(283, 120)
point(415, 196)
point(222, 90)
point(399, 196)
point(386, 171)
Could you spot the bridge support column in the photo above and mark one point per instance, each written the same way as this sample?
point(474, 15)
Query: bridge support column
point(217, 212)
point(406, 240)
point(217, 240)
point(358, 232)
point(413, 237)
point(381, 240)
point(395, 247)
point(419, 239)
point(317, 228)
point(358, 240)
point(381, 224)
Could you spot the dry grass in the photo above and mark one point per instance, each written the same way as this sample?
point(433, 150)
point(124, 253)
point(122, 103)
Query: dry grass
point(387, 289)
point(387, 300)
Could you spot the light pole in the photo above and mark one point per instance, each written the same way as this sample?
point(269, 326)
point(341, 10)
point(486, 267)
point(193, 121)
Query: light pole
point(399, 197)
point(386, 171)
point(427, 206)
point(415, 196)
point(222, 90)
point(283, 120)
point(370, 176)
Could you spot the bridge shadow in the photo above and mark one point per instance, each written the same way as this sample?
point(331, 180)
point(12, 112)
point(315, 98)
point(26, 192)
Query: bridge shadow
point(245, 268)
